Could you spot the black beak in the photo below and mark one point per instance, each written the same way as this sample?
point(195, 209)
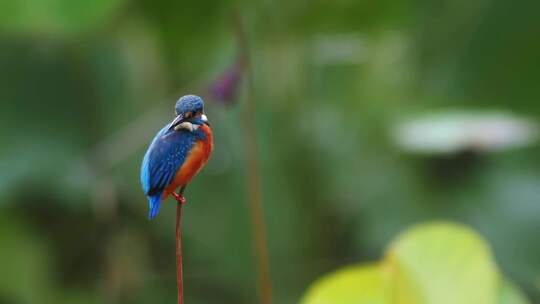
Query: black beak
point(177, 120)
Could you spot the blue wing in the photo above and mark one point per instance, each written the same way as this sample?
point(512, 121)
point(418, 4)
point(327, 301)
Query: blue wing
point(164, 157)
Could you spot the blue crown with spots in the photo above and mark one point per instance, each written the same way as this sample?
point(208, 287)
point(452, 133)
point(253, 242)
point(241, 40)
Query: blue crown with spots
point(189, 103)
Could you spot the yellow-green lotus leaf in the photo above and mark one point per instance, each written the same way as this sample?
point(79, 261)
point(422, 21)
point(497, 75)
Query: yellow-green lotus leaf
point(441, 263)
point(362, 284)
point(510, 294)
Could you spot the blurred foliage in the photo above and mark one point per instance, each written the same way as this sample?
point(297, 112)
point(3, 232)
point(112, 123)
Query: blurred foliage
point(47, 17)
point(85, 85)
point(429, 263)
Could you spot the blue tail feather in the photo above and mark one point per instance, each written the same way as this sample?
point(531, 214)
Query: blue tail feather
point(154, 202)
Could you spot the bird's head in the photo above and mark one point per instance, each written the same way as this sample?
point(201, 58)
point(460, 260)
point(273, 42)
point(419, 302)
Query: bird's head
point(189, 114)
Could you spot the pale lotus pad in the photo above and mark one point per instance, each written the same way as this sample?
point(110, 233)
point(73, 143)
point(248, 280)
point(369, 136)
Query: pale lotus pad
point(453, 131)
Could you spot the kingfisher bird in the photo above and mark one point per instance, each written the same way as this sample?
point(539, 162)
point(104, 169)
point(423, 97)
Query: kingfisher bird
point(177, 153)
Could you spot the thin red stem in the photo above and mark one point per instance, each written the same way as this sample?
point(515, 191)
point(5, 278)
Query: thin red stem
point(179, 275)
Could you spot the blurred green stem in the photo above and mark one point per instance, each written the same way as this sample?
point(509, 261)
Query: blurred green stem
point(253, 173)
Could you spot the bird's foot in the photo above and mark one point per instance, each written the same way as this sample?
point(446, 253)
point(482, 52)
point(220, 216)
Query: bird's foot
point(179, 198)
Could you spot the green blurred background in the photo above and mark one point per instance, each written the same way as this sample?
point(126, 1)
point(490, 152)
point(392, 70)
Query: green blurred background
point(84, 86)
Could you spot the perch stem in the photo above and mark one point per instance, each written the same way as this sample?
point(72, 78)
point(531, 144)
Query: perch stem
point(179, 273)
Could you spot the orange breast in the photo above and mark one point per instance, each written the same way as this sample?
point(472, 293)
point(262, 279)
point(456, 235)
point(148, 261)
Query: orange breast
point(195, 161)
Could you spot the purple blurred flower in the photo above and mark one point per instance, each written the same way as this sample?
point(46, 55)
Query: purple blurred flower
point(224, 89)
